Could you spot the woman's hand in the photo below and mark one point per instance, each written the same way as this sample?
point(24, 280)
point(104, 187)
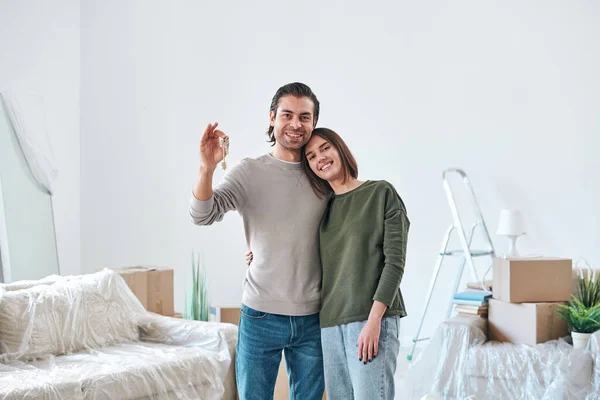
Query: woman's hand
point(368, 340)
point(249, 257)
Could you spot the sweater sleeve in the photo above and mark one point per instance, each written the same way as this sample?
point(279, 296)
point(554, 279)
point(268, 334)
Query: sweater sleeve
point(228, 195)
point(395, 238)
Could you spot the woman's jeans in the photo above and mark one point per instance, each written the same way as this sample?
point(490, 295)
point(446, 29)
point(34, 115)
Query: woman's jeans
point(348, 378)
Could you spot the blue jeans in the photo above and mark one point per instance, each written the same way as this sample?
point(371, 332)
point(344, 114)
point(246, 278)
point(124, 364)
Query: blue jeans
point(346, 377)
point(261, 338)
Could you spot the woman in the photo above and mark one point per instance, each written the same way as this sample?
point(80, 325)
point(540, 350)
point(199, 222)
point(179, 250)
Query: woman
point(363, 237)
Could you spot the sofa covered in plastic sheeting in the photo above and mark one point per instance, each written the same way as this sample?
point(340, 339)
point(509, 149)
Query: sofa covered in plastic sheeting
point(458, 362)
point(89, 337)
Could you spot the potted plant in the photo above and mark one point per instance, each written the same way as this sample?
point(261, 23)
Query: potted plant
point(582, 313)
point(196, 300)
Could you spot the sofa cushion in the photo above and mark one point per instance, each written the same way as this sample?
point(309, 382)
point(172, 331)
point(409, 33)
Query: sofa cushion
point(149, 369)
point(138, 370)
point(540, 363)
point(102, 311)
point(124, 371)
point(25, 382)
point(569, 378)
point(18, 332)
point(69, 315)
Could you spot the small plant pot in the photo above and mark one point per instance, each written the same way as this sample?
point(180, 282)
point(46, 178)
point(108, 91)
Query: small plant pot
point(580, 340)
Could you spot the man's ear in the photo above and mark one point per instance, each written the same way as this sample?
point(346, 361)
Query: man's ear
point(272, 118)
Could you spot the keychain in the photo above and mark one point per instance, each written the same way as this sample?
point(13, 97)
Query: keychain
point(225, 147)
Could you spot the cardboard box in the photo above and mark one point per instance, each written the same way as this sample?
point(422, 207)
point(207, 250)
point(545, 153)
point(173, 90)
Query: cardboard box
point(160, 290)
point(229, 315)
point(525, 323)
point(153, 286)
point(532, 280)
point(137, 280)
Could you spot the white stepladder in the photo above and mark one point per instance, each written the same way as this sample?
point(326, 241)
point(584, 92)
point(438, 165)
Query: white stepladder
point(466, 253)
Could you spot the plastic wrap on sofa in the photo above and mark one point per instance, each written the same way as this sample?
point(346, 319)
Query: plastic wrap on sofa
point(458, 362)
point(88, 337)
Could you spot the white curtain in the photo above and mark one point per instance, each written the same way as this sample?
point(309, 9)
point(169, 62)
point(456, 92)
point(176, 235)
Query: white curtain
point(28, 117)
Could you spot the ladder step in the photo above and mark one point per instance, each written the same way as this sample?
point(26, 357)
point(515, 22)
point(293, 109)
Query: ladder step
point(474, 253)
point(420, 340)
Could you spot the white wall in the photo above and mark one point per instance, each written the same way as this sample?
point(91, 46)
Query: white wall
point(508, 91)
point(39, 43)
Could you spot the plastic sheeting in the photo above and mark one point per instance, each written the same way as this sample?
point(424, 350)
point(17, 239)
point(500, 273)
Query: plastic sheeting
point(459, 362)
point(28, 118)
point(88, 337)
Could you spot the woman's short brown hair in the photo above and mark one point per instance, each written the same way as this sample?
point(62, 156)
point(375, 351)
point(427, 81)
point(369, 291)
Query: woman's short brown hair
point(349, 166)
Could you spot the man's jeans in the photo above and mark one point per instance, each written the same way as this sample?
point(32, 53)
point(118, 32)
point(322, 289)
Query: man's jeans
point(346, 377)
point(261, 338)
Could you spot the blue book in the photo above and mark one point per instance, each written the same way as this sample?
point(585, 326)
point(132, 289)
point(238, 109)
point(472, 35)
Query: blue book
point(474, 296)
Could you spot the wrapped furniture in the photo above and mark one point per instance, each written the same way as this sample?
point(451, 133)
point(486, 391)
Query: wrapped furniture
point(89, 337)
point(459, 362)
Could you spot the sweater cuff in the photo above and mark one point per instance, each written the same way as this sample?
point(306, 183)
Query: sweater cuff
point(202, 206)
point(384, 298)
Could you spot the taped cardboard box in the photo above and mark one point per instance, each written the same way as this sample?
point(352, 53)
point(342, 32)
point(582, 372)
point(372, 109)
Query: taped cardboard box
point(525, 323)
point(229, 315)
point(160, 291)
point(532, 280)
point(153, 286)
point(137, 280)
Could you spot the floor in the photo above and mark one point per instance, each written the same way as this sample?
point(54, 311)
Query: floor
point(401, 369)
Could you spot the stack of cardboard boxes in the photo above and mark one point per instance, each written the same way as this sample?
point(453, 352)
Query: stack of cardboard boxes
point(526, 293)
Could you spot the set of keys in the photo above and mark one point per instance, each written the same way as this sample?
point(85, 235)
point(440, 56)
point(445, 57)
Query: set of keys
point(225, 147)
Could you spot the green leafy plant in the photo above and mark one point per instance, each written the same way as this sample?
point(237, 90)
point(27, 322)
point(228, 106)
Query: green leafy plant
point(580, 318)
point(582, 313)
point(196, 300)
point(589, 288)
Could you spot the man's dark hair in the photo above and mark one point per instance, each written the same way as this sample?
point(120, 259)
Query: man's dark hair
point(295, 89)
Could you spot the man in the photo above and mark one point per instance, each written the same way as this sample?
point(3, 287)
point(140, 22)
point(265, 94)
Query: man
point(281, 215)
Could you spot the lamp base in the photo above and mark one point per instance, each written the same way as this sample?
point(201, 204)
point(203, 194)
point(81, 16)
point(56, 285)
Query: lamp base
point(512, 246)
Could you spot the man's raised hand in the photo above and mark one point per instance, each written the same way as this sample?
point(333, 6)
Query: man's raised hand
point(211, 152)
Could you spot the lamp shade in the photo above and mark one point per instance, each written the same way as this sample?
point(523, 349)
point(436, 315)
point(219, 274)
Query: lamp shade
point(511, 223)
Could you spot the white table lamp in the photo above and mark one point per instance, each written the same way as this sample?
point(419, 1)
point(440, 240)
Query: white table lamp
point(512, 226)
